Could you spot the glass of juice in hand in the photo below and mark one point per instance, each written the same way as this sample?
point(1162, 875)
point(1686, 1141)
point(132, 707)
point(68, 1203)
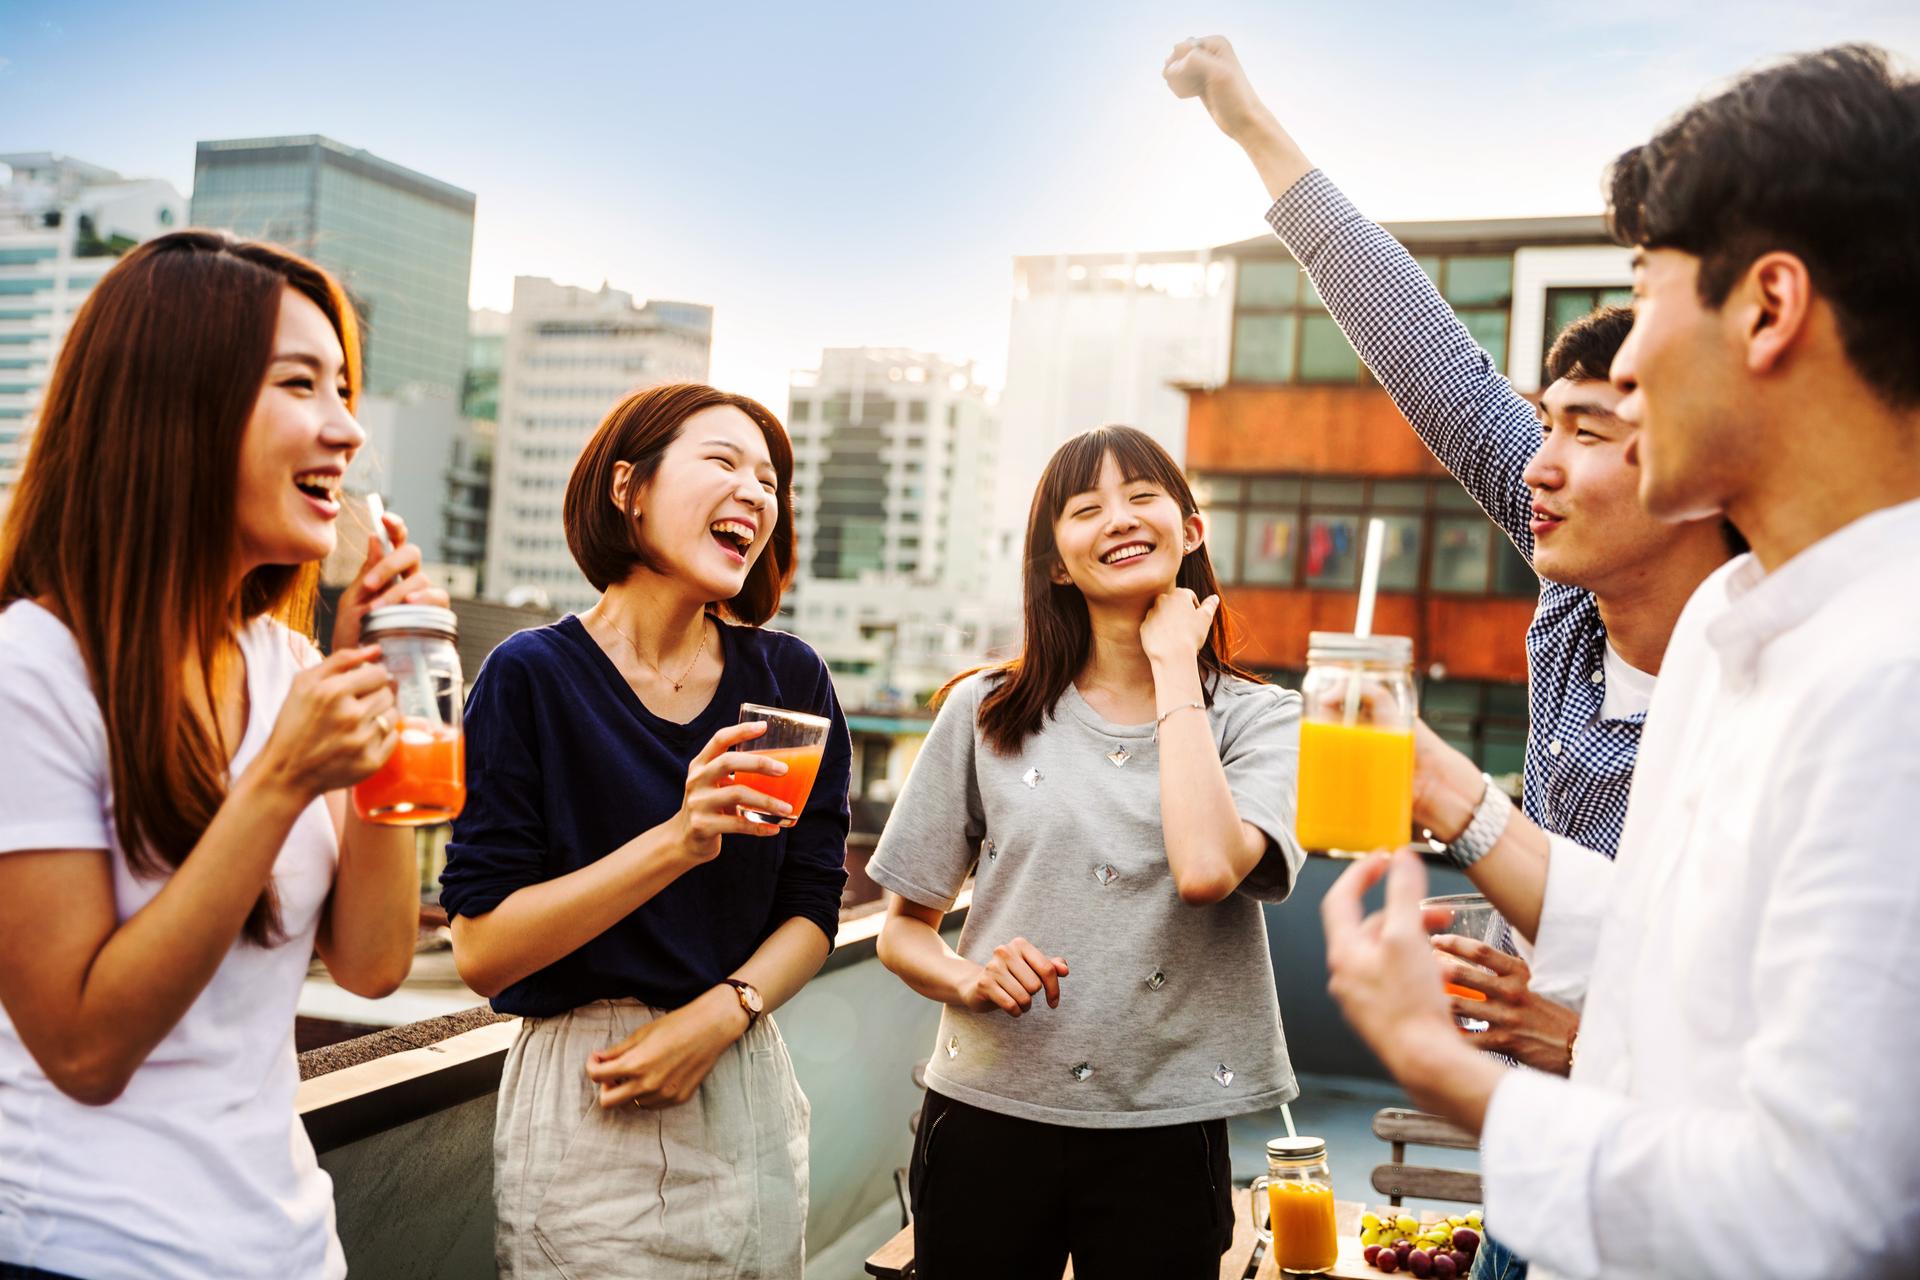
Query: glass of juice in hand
point(796, 740)
point(424, 781)
point(1467, 915)
point(1356, 745)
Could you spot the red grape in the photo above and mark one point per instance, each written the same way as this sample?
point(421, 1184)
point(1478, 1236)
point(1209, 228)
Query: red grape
point(1371, 1252)
point(1387, 1260)
point(1466, 1239)
point(1443, 1267)
point(1420, 1263)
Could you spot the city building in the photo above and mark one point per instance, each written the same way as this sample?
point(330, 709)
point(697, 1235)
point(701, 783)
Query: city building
point(469, 476)
point(1298, 448)
point(569, 355)
point(400, 241)
point(1100, 338)
point(893, 494)
point(62, 224)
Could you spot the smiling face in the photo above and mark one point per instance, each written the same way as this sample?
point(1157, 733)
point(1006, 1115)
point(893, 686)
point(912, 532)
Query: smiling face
point(298, 442)
point(709, 510)
point(1681, 372)
point(1588, 524)
point(1121, 542)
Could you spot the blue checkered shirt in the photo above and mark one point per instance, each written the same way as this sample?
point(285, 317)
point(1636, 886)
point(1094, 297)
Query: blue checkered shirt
point(1578, 766)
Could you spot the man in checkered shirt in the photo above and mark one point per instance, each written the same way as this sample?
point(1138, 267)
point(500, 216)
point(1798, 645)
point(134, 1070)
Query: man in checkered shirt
point(1556, 479)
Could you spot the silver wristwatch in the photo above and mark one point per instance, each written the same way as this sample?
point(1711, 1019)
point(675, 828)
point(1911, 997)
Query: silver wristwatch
point(1489, 822)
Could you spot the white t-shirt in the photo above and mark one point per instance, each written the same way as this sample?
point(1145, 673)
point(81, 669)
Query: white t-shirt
point(201, 1169)
point(1629, 689)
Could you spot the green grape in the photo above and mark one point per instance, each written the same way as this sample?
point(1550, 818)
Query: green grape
point(1371, 1221)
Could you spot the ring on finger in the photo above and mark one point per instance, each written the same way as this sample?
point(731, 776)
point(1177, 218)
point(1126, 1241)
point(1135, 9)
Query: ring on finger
point(386, 725)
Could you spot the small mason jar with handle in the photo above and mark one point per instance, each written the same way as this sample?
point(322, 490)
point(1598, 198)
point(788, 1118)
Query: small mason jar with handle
point(1297, 1193)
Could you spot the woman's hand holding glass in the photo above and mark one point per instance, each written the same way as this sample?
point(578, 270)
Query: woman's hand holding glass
point(385, 577)
point(712, 802)
point(336, 726)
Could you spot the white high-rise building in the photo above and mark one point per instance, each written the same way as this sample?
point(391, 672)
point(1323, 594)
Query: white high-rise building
point(894, 459)
point(62, 224)
point(1101, 338)
point(570, 355)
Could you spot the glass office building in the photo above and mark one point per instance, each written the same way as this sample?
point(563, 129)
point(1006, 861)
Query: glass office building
point(401, 242)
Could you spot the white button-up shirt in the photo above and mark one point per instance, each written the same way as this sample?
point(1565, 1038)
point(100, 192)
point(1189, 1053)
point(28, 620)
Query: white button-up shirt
point(1746, 1099)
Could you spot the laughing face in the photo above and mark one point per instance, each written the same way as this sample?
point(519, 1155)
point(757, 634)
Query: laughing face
point(1587, 521)
point(298, 443)
point(1122, 541)
point(709, 510)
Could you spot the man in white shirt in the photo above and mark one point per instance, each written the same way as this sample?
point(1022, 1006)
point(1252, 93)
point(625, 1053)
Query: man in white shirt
point(1741, 1102)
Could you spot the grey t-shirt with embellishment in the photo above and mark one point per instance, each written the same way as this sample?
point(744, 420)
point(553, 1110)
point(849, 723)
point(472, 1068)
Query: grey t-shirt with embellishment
point(1168, 1014)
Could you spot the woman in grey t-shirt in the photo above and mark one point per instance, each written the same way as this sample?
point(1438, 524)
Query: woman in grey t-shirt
point(1126, 795)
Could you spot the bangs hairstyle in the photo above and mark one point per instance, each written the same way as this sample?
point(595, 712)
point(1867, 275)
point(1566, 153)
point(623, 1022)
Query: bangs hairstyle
point(125, 518)
point(1817, 156)
point(1059, 632)
point(607, 541)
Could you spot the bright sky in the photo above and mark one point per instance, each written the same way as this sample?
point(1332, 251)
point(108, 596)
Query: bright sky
point(862, 174)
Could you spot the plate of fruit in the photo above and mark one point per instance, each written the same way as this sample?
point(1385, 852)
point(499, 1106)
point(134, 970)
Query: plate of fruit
point(1430, 1247)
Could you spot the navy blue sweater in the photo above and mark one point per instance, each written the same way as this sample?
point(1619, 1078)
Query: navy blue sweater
point(565, 764)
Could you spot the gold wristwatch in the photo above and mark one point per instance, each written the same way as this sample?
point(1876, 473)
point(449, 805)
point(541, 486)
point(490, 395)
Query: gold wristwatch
point(749, 999)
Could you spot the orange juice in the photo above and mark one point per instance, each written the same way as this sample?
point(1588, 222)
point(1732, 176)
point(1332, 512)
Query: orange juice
point(793, 786)
point(1304, 1235)
point(423, 782)
point(1356, 787)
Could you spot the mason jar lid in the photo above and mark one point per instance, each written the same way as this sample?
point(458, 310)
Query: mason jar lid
point(392, 618)
point(1301, 1148)
point(1341, 646)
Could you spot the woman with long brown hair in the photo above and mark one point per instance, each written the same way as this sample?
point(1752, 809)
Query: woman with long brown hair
point(1126, 794)
point(174, 839)
point(605, 887)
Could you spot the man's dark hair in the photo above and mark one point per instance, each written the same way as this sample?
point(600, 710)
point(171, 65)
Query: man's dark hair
point(1819, 157)
point(1585, 349)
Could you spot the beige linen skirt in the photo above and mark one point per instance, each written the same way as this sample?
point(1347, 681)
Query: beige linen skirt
point(714, 1189)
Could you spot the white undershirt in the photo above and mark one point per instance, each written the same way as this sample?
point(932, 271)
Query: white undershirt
point(1629, 689)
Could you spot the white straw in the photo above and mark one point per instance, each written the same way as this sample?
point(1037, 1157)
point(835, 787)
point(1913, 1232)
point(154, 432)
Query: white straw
point(377, 512)
point(1370, 577)
point(1363, 616)
point(1287, 1115)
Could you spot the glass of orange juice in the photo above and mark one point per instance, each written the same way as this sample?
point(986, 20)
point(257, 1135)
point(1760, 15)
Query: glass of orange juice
point(1356, 744)
point(1469, 915)
point(797, 741)
point(424, 781)
point(1297, 1190)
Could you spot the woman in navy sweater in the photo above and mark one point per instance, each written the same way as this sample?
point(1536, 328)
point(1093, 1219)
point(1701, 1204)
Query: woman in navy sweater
point(602, 886)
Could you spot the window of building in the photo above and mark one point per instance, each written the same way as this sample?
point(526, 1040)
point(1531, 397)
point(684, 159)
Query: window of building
point(1565, 305)
point(1309, 531)
point(20, 286)
point(1486, 720)
point(1282, 332)
point(800, 411)
point(916, 411)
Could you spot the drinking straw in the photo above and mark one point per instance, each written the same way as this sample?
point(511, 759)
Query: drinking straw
point(377, 512)
point(1287, 1115)
point(1363, 615)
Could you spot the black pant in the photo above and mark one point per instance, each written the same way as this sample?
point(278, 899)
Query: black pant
point(1006, 1199)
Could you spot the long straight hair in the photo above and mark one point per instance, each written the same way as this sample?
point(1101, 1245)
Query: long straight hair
point(1059, 631)
point(124, 522)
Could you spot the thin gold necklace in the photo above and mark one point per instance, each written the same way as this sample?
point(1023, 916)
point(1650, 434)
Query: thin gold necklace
point(656, 670)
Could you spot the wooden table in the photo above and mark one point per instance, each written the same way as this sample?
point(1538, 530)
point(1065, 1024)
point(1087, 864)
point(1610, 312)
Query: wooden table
point(895, 1258)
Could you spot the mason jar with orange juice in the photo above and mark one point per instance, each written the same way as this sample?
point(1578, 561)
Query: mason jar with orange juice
point(1298, 1192)
point(1356, 744)
point(424, 781)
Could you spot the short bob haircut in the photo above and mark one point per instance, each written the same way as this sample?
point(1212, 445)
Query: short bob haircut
point(605, 541)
